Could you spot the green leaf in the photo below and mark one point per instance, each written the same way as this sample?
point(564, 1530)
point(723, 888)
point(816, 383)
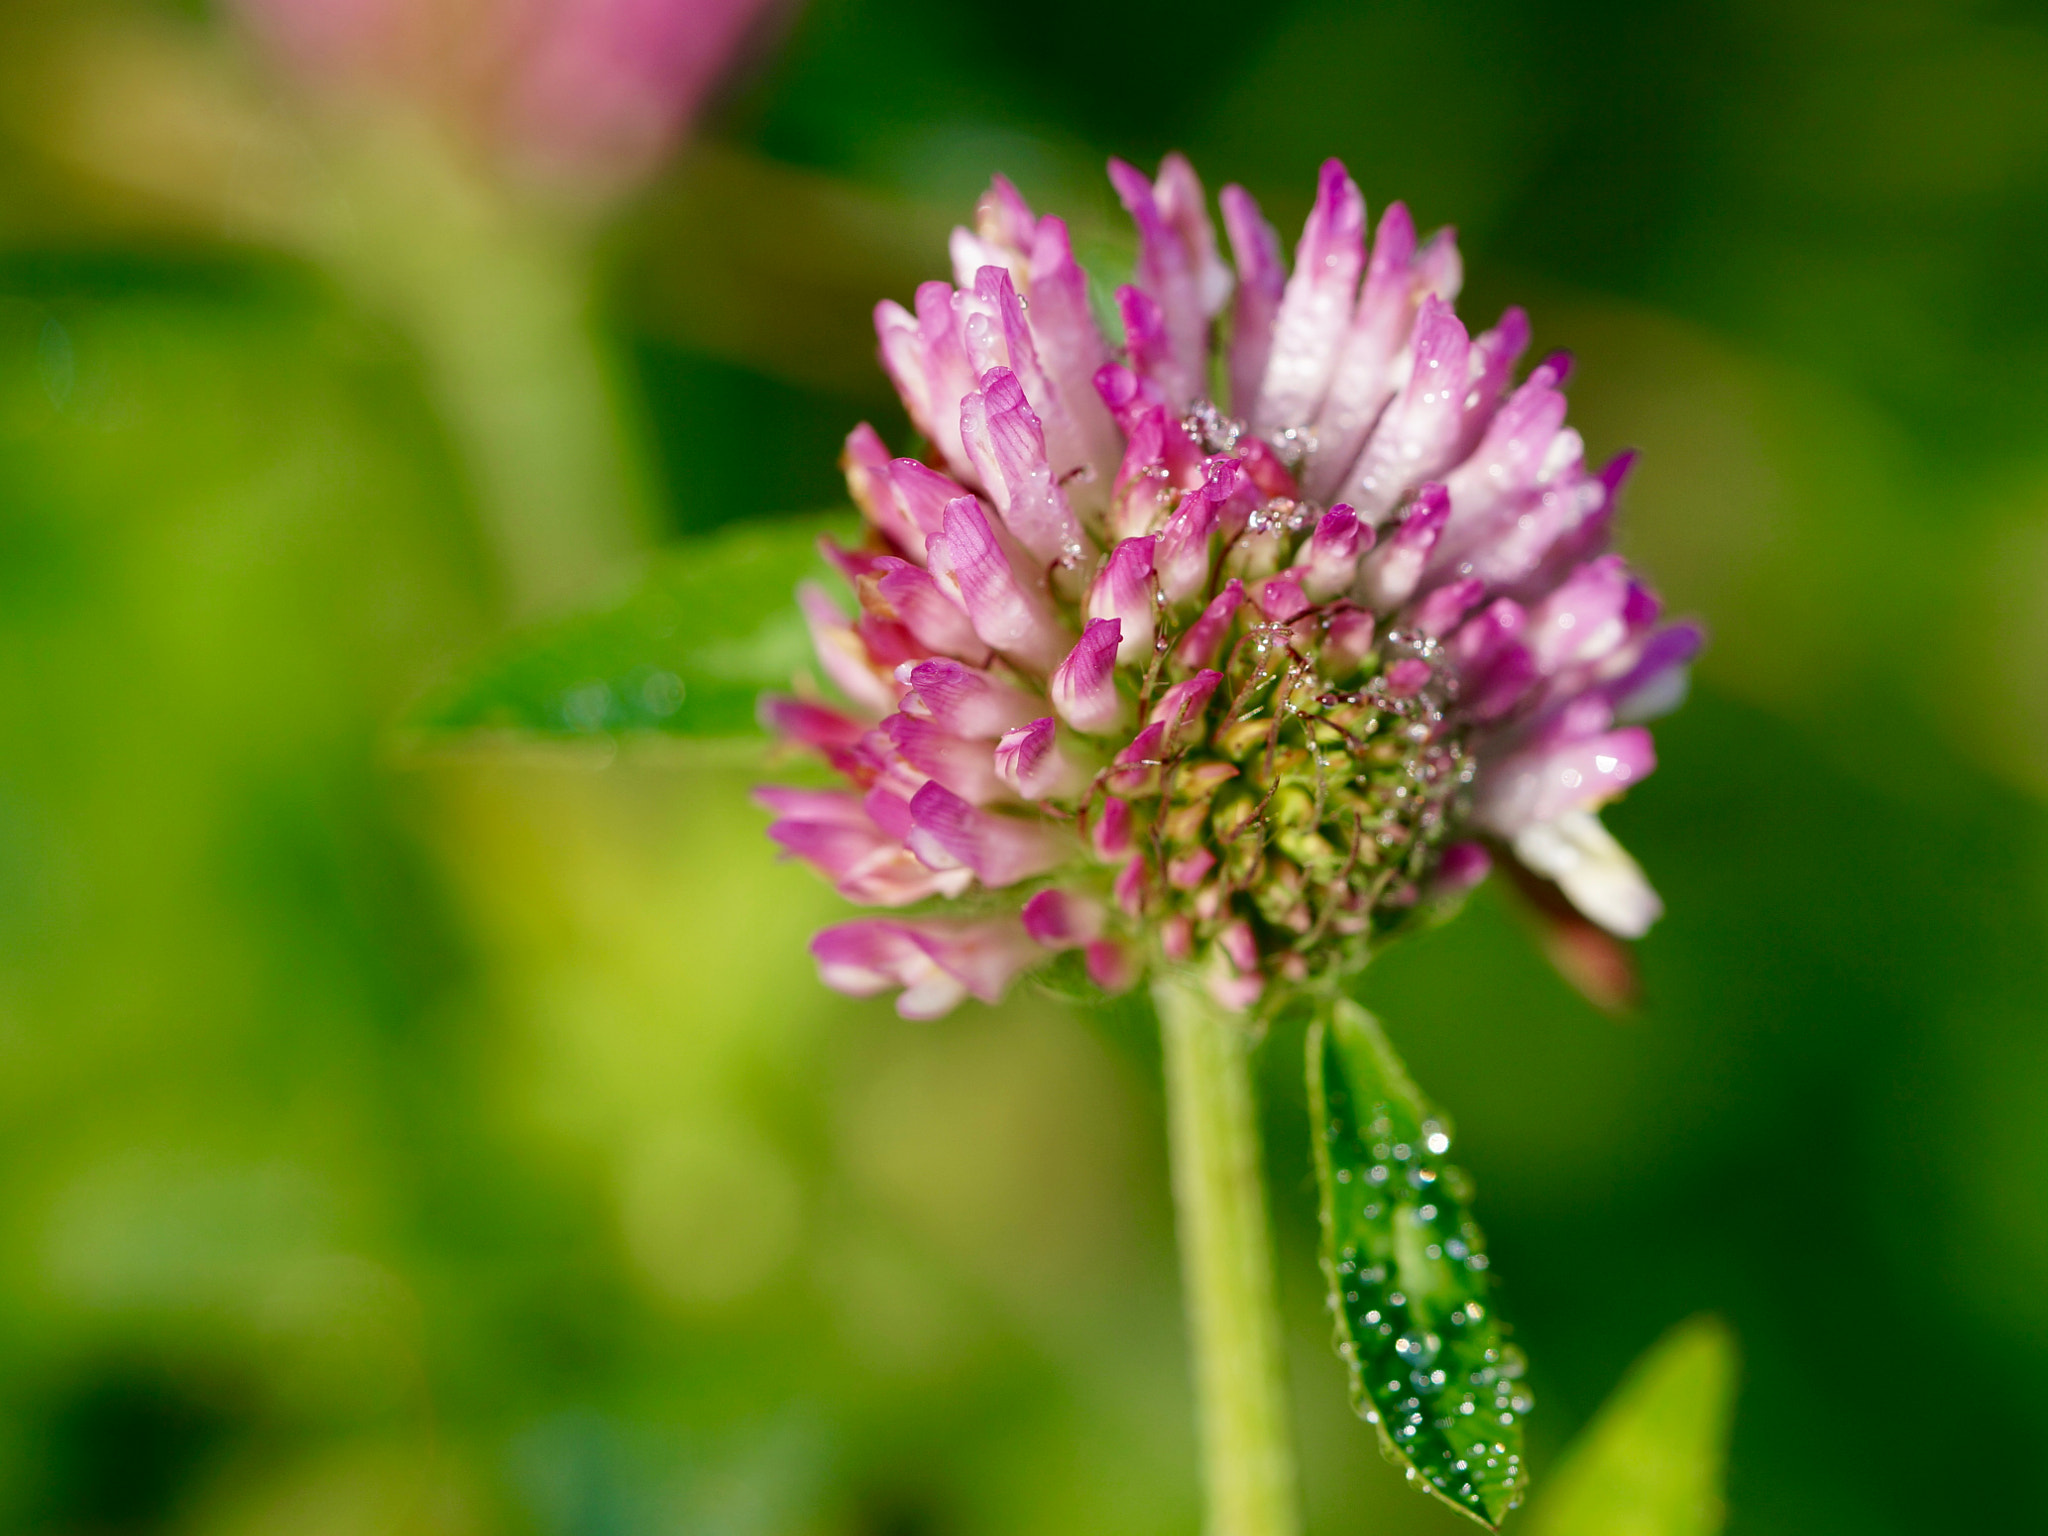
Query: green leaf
point(1650, 1462)
point(1408, 1276)
point(686, 653)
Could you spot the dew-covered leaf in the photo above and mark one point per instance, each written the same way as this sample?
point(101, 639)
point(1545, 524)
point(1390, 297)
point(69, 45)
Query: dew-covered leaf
point(1650, 1462)
point(686, 653)
point(1408, 1277)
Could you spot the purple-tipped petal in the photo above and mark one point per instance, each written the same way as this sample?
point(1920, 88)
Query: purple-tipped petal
point(1109, 834)
point(1135, 769)
point(1394, 568)
point(899, 591)
point(1584, 619)
point(1281, 599)
point(966, 700)
point(1237, 942)
point(1546, 783)
point(1123, 590)
point(1184, 872)
point(924, 494)
point(1083, 686)
point(1374, 354)
point(1315, 309)
point(1440, 612)
point(1347, 639)
point(1417, 436)
point(938, 964)
point(1060, 919)
point(1180, 708)
point(969, 565)
point(1333, 553)
point(824, 730)
point(1261, 279)
point(866, 465)
point(1182, 558)
point(1177, 269)
point(963, 765)
point(1132, 885)
point(1408, 677)
point(1030, 762)
point(1071, 350)
point(927, 360)
point(835, 834)
point(1199, 645)
point(1462, 867)
point(948, 832)
point(1657, 683)
point(1149, 347)
point(842, 654)
point(1006, 442)
point(1113, 966)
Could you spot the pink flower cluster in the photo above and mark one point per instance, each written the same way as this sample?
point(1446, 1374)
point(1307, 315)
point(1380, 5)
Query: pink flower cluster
point(576, 88)
point(1157, 680)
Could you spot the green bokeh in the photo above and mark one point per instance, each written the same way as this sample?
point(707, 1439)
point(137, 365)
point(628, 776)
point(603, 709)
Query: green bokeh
point(466, 1145)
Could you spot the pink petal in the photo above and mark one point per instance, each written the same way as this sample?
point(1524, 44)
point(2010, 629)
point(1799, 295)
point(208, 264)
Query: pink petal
point(1542, 785)
point(1418, 435)
point(1030, 762)
point(937, 963)
point(1083, 686)
point(1064, 919)
point(1008, 615)
point(1001, 850)
point(1394, 568)
point(1316, 306)
point(901, 591)
point(843, 654)
point(1261, 279)
point(966, 701)
point(966, 767)
point(1006, 441)
point(1333, 553)
point(1198, 646)
point(1123, 590)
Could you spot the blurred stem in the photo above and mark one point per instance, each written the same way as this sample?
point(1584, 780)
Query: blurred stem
point(497, 296)
point(1226, 1264)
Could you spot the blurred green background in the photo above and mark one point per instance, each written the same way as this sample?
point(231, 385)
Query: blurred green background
point(464, 1145)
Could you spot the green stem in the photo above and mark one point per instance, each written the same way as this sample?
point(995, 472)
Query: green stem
point(1226, 1264)
point(496, 295)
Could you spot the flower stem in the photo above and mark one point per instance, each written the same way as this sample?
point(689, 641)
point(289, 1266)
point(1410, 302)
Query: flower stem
point(496, 296)
point(1226, 1264)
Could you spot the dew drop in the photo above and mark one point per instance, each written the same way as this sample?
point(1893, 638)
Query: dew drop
point(1417, 1347)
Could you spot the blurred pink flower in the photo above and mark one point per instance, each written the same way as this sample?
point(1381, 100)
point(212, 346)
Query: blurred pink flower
point(576, 89)
point(1138, 676)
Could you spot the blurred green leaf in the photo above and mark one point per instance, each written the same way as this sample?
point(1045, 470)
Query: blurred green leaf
point(1407, 1273)
point(1650, 1462)
point(686, 653)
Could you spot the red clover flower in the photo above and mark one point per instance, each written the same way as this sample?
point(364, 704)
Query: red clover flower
point(1225, 659)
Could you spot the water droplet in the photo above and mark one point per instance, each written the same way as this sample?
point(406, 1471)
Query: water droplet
point(1513, 1363)
point(1418, 1347)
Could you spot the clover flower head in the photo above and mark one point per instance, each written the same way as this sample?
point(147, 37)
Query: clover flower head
point(1223, 658)
point(578, 89)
